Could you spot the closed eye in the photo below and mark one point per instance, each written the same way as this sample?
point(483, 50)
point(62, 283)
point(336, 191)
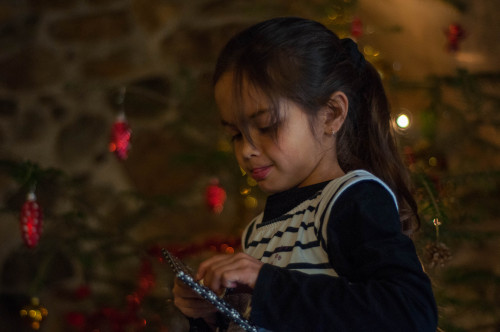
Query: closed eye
point(265, 130)
point(236, 137)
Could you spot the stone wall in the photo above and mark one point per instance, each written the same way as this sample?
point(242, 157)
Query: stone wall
point(63, 65)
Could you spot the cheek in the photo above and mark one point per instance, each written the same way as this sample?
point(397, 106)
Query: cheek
point(237, 151)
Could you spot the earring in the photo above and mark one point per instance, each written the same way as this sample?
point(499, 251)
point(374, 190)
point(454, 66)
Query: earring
point(333, 132)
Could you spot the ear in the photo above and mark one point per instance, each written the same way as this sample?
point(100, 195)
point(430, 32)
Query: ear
point(335, 112)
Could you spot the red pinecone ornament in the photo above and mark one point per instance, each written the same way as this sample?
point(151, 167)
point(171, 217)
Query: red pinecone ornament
point(120, 138)
point(31, 221)
point(215, 196)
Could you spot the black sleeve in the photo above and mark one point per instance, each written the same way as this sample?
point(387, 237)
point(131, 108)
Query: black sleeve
point(381, 285)
point(199, 324)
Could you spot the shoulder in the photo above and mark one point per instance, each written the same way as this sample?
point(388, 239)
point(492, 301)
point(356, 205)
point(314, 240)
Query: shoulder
point(357, 200)
point(367, 192)
point(365, 209)
point(358, 185)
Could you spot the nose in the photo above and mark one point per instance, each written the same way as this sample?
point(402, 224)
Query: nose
point(249, 148)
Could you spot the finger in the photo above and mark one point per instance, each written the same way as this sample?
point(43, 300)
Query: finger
point(202, 269)
point(214, 270)
point(244, 270)
point(195, 308)
point(237, 269)
point(180, 289)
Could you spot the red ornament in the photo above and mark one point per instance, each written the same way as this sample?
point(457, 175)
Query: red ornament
point(120, 137)
point(215, 196)
point(356, 28)
point(31, 221)
point(76, 319)
point(82, 292)
point(455, 34)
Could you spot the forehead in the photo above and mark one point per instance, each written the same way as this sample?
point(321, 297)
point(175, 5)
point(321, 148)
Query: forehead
point(233, 97)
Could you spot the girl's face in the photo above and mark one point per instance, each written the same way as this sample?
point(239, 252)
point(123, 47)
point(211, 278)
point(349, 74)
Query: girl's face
point(296, 157)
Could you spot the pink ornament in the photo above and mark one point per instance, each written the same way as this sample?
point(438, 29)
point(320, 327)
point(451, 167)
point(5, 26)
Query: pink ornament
point(31, 221)
point(120, 138)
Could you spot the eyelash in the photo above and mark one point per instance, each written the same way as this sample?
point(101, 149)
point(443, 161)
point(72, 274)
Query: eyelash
point(263, 130)
point(235, 137)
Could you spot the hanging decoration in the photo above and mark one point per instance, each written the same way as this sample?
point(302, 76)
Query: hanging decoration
point(437, 253)
point(34, 314)
point(31, 220)
point(356, 28)
point(120, 137)
point(455, 34)
point(120, 132)
point(215, 196)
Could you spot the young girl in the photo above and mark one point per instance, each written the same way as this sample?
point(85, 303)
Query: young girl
point(309, 121)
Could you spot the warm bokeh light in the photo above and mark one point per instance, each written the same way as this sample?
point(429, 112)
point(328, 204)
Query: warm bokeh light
point(403, 121)
point(251, 202)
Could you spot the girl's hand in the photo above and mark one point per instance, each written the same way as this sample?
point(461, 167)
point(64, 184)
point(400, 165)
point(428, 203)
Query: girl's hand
point(228, 271)
point(191, 304)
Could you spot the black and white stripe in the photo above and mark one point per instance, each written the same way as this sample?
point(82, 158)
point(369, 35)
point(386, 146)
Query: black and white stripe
point(292, 240)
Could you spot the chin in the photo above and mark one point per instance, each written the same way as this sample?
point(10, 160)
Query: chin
point(266, 188)
point(270, 189)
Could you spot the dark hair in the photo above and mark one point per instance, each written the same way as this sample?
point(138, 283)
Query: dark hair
point(303, 61)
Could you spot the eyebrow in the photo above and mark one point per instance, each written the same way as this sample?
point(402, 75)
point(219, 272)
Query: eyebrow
point(259, 113)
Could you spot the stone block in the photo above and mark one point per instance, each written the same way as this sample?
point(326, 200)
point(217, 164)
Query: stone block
point(144, 98)
point(92, 27)
point(198, 46)
point(8, 107)
point(52, 4)
point(32, 126)
point(82, 139)
point(31, 67)
point(154, 14)
point(113, 66)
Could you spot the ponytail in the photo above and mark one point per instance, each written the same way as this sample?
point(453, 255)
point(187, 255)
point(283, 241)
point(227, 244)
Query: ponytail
point(367, 141)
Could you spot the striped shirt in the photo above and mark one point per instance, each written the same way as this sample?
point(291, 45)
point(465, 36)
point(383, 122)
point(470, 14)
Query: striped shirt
point(292, 240)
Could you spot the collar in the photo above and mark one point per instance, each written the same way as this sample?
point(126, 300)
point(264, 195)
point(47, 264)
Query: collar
point(282, 202)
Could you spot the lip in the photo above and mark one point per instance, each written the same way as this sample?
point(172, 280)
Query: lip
point(260, 173)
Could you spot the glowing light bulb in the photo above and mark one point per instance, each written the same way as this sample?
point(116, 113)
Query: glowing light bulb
point(403, 121)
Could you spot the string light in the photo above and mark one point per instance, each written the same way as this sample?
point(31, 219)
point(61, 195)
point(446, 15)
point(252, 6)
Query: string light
point(245, 191)
point(250, 202)
point(251, 181)
point(403, 121)
point(34, 313)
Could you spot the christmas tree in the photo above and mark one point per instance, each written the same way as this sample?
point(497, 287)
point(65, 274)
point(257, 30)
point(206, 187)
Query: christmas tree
point(110, 150)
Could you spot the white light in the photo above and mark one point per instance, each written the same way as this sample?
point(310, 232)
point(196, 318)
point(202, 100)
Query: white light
point(403, 121)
